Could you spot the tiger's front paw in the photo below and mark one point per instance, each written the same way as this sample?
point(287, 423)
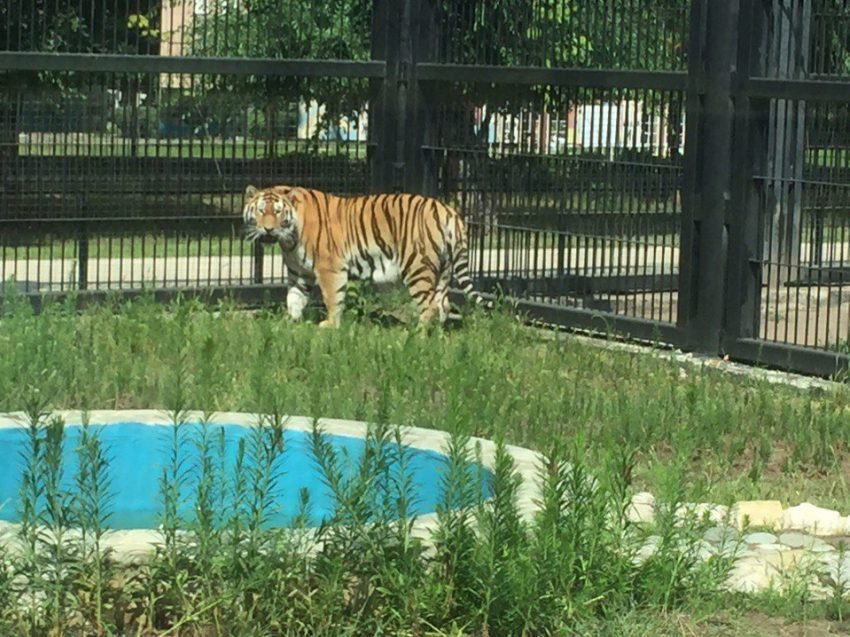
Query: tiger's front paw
point(328, 324)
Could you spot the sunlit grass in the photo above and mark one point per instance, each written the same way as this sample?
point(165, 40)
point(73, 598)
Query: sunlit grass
point(632, 421)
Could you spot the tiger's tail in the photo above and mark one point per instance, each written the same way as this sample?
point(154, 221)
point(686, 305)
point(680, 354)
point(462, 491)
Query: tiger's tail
point(460, 267)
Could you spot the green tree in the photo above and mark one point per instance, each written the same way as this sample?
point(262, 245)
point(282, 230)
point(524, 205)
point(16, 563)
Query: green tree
point(285, 29)
point(829, 52)
point(82, 26)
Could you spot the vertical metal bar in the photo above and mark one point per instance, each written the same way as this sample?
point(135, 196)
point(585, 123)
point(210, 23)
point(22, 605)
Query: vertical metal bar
point(692, 169)
point(82, 258)
point(424, 46)
point(258, 262)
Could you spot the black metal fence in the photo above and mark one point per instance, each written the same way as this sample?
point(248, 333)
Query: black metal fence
point(671, 169)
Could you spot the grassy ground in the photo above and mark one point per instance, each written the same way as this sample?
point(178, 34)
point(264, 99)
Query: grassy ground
point(632, 420)
point(733, 438)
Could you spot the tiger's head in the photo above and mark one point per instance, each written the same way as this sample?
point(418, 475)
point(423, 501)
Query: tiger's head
point(270, 215)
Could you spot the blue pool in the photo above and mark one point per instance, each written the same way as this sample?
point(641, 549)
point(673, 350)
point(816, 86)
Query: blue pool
point(137, 454)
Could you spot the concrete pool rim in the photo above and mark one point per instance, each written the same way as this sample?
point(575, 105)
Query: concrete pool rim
point(131, 544)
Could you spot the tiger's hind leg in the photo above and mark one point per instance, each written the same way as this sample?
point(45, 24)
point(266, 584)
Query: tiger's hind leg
point(441, 295)
point(422, 284)
point(332, 283)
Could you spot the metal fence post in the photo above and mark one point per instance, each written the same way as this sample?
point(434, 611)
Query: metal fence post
point(706, 232)
point(423, 43)
point(383, 106)
point(83, 258)
point(751, 148)
point(404, 33)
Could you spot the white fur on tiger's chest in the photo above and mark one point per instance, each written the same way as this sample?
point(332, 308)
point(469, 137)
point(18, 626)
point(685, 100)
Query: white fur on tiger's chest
point(298, 259)
point(378, 268)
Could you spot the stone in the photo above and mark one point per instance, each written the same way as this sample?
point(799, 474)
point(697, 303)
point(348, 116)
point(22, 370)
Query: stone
point(720, 533)
point(749, 575)
point(7, 529)
point(748, 582)
point(731, 548)
point(650, 546)
point(775, 556)
point(797, 540)
point(822, 547)
point(724, 541)
point(769, 549)
point(642, 508)
point(760, 538)
point(820, 592)
point(705, 550)
point(763, 567)
point(757, 513)
point(815, 520)
point(834, 570)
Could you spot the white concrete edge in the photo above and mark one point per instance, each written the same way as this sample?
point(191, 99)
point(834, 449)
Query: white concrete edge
point(130, 544)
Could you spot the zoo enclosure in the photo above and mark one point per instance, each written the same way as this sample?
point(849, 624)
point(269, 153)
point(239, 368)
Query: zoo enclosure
point(670, 169)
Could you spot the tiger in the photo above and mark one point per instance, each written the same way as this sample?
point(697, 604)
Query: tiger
point(328, 239)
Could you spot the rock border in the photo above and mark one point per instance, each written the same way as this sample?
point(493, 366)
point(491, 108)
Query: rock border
point(774, 547)
point(132, 545)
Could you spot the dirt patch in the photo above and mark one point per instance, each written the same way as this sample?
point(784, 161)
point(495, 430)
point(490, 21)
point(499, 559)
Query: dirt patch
point(758, 624)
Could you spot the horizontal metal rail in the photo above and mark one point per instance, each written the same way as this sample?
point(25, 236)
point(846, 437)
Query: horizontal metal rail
point(809, 90)
point(784, 356)
point(531, 75)
point(625, 327)
point(27, 229)
point(111, 63)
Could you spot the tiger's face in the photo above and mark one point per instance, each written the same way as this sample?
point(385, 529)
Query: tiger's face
point(269, 215)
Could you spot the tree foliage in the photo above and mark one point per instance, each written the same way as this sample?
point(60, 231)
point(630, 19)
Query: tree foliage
point(624, 34)
point(82, 26)
point(286, 29)
point(830, 50)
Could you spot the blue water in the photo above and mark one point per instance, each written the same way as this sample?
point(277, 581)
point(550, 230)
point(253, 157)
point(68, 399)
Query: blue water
point(137, 455)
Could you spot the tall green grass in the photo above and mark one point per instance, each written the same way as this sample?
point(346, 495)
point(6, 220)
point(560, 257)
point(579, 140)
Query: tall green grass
point(361, 571)
point(733, 438)
point(607, 422)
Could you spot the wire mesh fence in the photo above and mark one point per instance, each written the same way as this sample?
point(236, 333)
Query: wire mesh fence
point(138, 178)
point(572, 194)
point(612, 168)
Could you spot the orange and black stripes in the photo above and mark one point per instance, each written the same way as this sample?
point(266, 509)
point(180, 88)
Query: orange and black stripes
point(327, 239)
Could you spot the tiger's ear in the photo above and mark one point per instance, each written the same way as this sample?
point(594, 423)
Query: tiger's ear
point(250, 191)
point(293, 196)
